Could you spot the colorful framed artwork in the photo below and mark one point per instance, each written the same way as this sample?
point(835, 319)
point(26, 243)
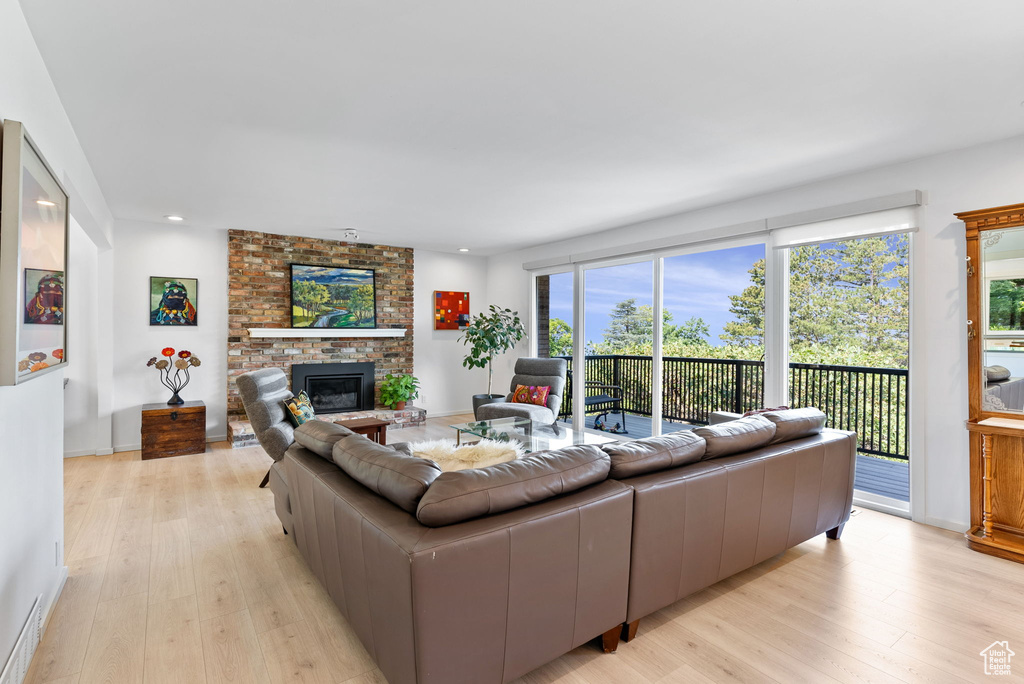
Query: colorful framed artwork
point(33, 261)
point(451, 310)
point(173, 301)
point(329, 297)
point(44, 297)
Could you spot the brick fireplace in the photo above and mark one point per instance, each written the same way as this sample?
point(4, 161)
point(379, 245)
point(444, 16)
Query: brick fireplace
point(259, 296)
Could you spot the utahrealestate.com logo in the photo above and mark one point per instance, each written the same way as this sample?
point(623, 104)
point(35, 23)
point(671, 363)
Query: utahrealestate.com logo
point(997, 658)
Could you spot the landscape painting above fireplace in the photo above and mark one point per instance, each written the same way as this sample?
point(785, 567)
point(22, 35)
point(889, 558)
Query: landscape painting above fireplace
point(325, 297)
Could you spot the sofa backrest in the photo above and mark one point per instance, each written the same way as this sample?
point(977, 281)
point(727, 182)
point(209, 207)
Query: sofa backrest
point(743, 435)
point(466, 494)
point(629, 459)
point(263, 394)
point(400, 478)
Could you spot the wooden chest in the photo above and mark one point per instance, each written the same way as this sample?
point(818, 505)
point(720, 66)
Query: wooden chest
point(173, 430)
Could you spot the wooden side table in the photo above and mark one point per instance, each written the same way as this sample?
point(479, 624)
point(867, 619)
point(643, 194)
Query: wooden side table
point(375, 429)
point(173, 430)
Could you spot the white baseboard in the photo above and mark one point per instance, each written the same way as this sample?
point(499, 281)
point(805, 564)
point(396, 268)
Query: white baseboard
point(945, 524)
point(61, 581)
point(104, 452)
point(80, 452)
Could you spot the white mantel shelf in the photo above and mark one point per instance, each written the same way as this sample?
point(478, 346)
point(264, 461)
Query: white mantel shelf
point(327, 332)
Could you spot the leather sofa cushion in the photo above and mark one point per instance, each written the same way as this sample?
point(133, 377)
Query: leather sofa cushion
point(650, 454)
point(399, 478)
point(743, 434)
point(795, 423)
point(319, 437)
point(466, 494)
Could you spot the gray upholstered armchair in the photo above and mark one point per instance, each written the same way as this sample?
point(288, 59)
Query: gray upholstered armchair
point(263, 394)
point(532, 372)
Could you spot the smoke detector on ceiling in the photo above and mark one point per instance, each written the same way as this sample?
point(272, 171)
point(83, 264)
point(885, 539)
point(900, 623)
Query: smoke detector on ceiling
point(351, 235)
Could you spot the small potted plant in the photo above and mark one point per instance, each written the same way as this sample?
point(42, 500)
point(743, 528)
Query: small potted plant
point(396, 390)
point(487, 336)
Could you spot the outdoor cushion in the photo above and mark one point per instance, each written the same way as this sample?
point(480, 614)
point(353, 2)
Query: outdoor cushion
point(795, 423)
point(465, 494)
point(531, 394)
point(997, 373)
point(300, 409)
point(400, 478)
point(319, 436)
point(743, 434)
point(650, 454)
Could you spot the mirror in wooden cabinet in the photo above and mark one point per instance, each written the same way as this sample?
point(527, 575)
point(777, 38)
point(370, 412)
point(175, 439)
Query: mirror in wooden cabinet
point(1002, 325)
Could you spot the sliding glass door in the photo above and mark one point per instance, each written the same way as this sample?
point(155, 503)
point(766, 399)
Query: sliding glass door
point(807, 314)
point(712, 335)
point(619, 333)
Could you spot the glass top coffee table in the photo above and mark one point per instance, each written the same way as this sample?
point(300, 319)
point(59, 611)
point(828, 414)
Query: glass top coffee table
point(533, 436)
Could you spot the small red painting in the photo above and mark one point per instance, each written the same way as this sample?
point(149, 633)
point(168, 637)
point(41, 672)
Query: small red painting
point(451, 310)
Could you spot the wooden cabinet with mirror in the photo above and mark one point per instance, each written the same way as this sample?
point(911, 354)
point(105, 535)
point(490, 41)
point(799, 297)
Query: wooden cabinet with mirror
point(995, 344)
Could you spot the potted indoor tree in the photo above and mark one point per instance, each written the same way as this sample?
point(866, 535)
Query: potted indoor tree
point(396, 390)
point(487, 336)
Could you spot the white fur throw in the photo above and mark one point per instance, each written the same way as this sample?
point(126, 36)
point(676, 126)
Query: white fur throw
point(480, 454)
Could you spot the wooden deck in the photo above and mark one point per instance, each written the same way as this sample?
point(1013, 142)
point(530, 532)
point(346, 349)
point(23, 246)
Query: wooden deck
point(874, 475)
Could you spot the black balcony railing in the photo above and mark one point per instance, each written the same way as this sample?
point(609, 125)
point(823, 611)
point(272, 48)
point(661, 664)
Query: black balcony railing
point(870, 401)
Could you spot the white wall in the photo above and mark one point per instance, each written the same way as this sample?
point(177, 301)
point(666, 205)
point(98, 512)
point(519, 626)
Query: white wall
point(446, 387)
point(31, 489)
point(151, 249)
point(31, 500)
point(984, 176)
point(81, 406)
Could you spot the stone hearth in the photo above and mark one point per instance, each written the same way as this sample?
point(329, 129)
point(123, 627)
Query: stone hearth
point(240, 432)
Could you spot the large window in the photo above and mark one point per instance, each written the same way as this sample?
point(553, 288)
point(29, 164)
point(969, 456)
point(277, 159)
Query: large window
point(804, 312)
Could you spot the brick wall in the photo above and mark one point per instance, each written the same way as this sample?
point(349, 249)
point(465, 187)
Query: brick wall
point(259, 296)
point(543, 322)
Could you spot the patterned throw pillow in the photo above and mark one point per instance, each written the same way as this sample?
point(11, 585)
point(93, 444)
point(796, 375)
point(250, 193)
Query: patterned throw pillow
point(754, 412)
point(531, 395)
point(300, 409)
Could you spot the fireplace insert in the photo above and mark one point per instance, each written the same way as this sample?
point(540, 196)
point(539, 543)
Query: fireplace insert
point(335, 387)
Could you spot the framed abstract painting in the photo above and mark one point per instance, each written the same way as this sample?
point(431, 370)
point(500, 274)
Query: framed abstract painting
point(330, 297)
point(33, 261)
point(451, 310)
point(173, 301)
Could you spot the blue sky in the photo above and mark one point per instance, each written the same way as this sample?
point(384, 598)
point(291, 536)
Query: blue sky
point(695, 285)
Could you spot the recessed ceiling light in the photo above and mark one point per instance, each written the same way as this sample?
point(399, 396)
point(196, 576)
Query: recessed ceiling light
point(46, 203)
point(463, 249)
point(172, 217)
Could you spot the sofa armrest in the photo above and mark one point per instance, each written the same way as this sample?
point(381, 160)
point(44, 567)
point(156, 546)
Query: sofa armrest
point(716, 417)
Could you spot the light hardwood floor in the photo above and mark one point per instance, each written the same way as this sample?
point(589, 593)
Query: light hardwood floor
point(179, 572)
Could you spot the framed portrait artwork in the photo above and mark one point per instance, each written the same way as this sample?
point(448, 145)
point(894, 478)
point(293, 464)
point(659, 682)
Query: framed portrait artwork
point(331, 297)
point(173, 301)
point(33, 261)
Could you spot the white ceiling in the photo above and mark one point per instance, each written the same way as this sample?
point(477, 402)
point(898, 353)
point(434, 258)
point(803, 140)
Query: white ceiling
point(499, 124)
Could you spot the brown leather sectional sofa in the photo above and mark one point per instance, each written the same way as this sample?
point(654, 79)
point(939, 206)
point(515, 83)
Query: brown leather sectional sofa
point(483, 575)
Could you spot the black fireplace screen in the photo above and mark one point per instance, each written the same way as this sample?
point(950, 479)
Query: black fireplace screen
point(335, 387)
point(334, 394)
